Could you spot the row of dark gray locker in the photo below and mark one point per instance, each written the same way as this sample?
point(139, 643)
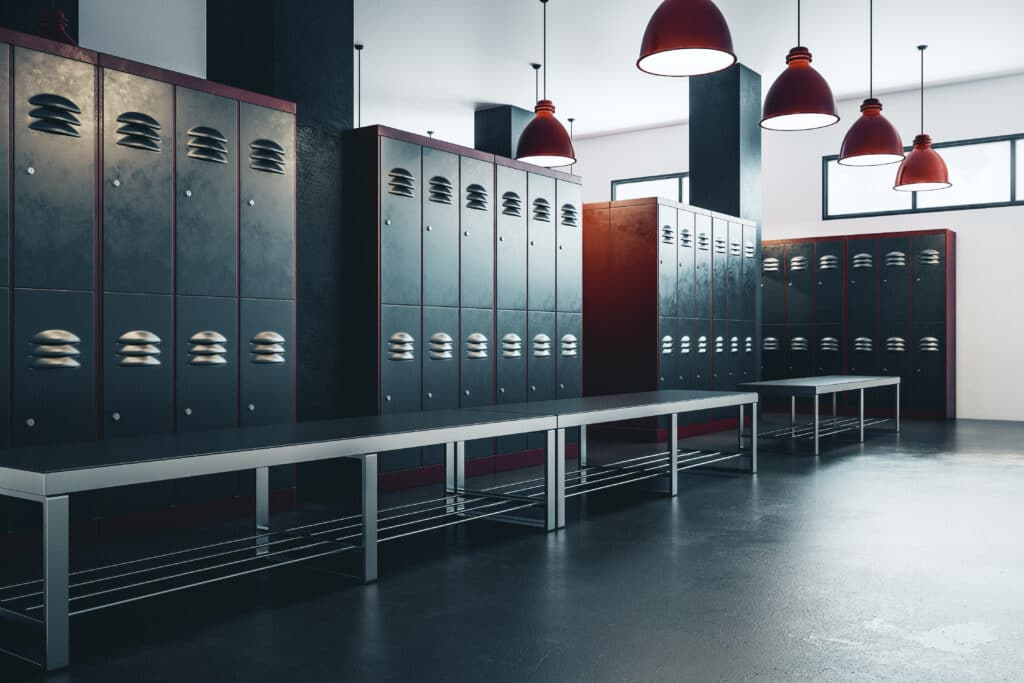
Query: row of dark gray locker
point(706, 354)
point(197, 190)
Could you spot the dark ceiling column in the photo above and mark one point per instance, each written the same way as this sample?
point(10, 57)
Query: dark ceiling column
point(725, 142)
point(496, 130)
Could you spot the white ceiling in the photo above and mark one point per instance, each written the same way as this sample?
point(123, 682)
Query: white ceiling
point(429, 64)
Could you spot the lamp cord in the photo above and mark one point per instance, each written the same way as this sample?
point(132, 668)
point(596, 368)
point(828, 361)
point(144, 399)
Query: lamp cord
point(545, 3)
point(871, 48)
point(922, 48)
point(798, 23)
point(359, 85)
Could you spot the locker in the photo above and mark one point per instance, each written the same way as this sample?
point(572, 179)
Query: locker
point(686, 347)
point(894, 359)
point(773, 351)
point(702, 355)
point(400, 243)
point(862, 348)
point(207, 356)
point(685, 281)
point(511, 247)
point(138, 364)
point(569, 364)
point(54, 135)
point(541, 251)
point(828, 353)
point(667, 262)
point(477, 260)
point(929, 268)
point(5, 367)
point(512, 356)
point(266, 362)
point(5, 171)
point(773, 306)
point(53, 367)
point(720, 269)
point(751, 272)
point(138, 167)
point(702, 268)
point(720, 354)
point(476, 368)
point(800, 350)
point(928, 358)
point(401, 348)
point(894, 279)
point(540, 366)
point(799, 292)
point(440, 366)
point(750, 352)
point(734, 275)
point(440, 229)
point(830, 278)
point(266, 203)
point(668, 361)
point(862, 276)
point(569, 266)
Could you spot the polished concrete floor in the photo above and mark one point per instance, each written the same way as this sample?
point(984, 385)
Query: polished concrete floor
point(899, 559)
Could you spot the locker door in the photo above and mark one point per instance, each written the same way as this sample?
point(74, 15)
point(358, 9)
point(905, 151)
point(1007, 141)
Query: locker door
point(267, 203)
point(511, 254)
point(401, 349)
point(138, 364)
point(928, 356)
point(511, 361)
point(751, 272)
point(138, 163)
point(862, 348)
point(894, 360)
point(477, 261)
point(685, 255)
point(862, 291)
point(569, 364)
point(440, 228)
point(829, 349)
point(799, 350)
point(266, 362)
point(799, 292)
point(702, 269)
point(667, 262)
point(541, 252)
point(735, 352)
point(54, 171)
point(440, 366)
point(668, 361)
point(569, 270)
point(894, 275)
point(5, 174)
point(400, 244)
point(54, 369)
point(830, 278)
point(773, 352)
point(687, 347)
point(702, 357)
point(720, 270)
point(773, 306)
point(734, 276)
point(477, 368)
point(207, 168)
point(207, 352)
point(540, 366)
point(5, 367)
point(750, 352)
point(720, 365)
point(929, 278)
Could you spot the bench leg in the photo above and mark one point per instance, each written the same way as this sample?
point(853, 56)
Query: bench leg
point(833, 411)
point(460, 474)
point(817, 403)
point(55, 581)
point(583, 446)
point(792, 414)
point(673, 455)
point(559, 479)
point(753, 438)
point(263, 498)
point(449, 477)
point(742, 427)
point(862, 416)
point(369, 510)
point(897, 408)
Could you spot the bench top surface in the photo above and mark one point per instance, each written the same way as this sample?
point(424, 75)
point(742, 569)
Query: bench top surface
point(825, 384)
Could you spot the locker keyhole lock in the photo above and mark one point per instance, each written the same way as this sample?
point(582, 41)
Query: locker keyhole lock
point(252, 202)
point(501, 238)
point(561, 386)
point(467, 392)
point(430, 394)
point(252, 407)
point(116, 183)
point(429, 228)
point(116, 417)
point(30, 422)
point(30, 170)
point(188, 411)
point(561, 247)
point(532, 243)
point(917, 280)
point(388, 397)
point(533, 388)
point(188, 193)
point(465, 234)
point(387, 222)
point(501, 390)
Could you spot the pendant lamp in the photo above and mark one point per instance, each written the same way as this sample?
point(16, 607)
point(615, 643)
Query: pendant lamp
point(923, 169)
point(686, 38)
point(871, 140)
point(800, 98)
point(544, 141)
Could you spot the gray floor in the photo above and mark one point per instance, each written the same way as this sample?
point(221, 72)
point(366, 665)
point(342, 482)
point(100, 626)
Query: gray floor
point(900, 559)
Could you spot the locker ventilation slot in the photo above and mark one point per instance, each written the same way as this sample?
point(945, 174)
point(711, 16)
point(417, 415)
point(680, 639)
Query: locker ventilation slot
point(735, 249)
point(54, 349)
point(667, 236)
point(748, 345)
point(401, 183)
point(828, 262)
point(798, 344)
point(863, 260)
point(512, 204)
point(570, 216)
point(667, 345)
point(770, 344)
point(895, 259)
point(476, 197)
point(895, 344)
point(441, 190)
point(686, 237)
point(685, 344)
point(476, 346)
point(719, 344)
point(207, 144)
point(441, 347)
point(749, 250)
point(703, 241)
point(207, 348)
point(266, 348)
point(928, 344)
point(702, 344)
point(734, 345)
point(570, 345)
point(55, 114)
point(863, 344)
point(401, 347)
point(138, 349)
point(798, 263)
point(541, 346)
point(138, 131)
point(511, 346)
point(929, 257)
point(720, 246)
point(541, 210)
point(829, 344)
point(770, 265)
point(267, 156)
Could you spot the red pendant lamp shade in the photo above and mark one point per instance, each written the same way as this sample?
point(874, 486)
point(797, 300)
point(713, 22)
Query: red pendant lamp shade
point(686, 38)
point(871, 140)
point(544, 141)
point(799, 99)
point(923, 169)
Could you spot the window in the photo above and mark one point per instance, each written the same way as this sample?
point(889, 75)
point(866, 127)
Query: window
point(984, 173)
point(674, 186)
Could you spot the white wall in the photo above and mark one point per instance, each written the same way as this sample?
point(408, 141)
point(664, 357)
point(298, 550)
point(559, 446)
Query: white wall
point(990, 379)
point(165, 33)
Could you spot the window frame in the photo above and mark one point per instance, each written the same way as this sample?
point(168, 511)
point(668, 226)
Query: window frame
point(642, 179)
point(1016, 146)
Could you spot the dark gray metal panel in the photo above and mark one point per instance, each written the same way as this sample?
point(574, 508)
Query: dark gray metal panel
point(894, 274)
point(751, 272)
point(686, 351)
point(476, 368)
point(401, 353)
point(830, 280)
point(862, 344)
point(773, 352)
point(773, 269)
point(541, 253)
point(799, 279)
point(5, 367)
point(266, 362)
point(894, 359)
point(138, 167)
point(667, 262)
point(702, 291)
point(829, 347)
point(54, 171)
point(267, 203)
point(668, 362)
point(929, 253)
point(542, 347)
point(862, 291)
point(207, 363)
point(569, 364)
point(702, 354)
point(720, 269)
point(54, 367)
point(440, 200)
point(513, 211)
point(734, 277)
point(570, 248)
point(400, 245)
point(476, 263)
point(800, 350)
point(928, 356)
point(138, 364)
point(440, 362)
point(720, 354)
point(512, 350)
point(207, 194)
point(685, 281)
point(5, 167)
point(749, 352)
